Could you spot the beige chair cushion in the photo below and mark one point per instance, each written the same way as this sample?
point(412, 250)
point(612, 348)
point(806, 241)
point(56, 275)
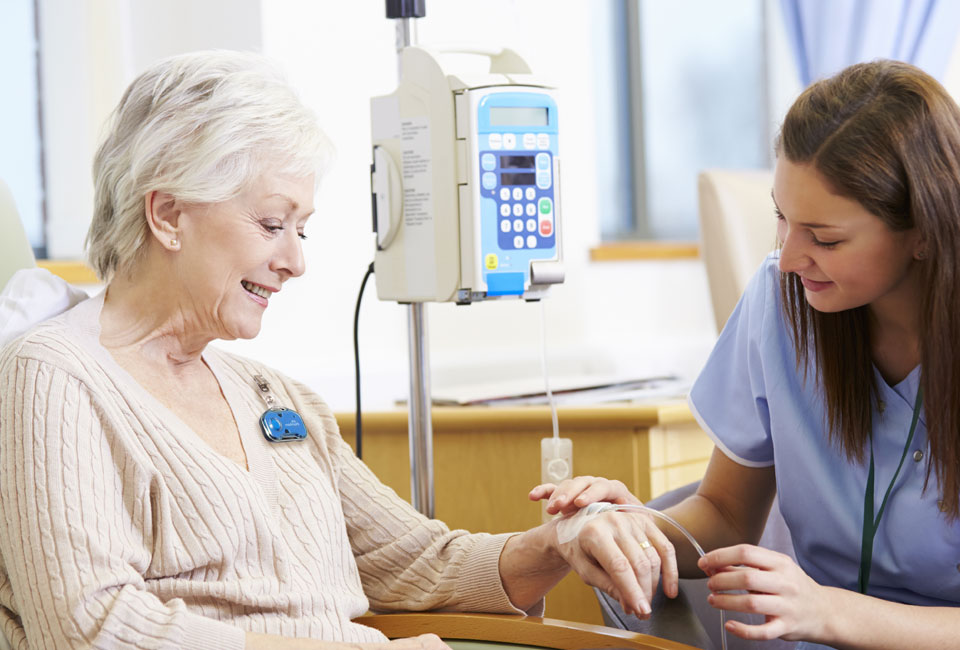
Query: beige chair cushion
point(738, 229)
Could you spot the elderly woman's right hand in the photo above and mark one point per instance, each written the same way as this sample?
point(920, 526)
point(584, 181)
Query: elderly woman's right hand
point(256, 641)
point(621, 553)
point(422, 642)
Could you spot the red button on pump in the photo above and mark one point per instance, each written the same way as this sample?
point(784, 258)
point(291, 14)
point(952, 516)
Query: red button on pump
point(546, 227)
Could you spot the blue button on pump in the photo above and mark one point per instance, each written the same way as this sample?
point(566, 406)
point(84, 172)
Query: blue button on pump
point(488, 161)
point(489, 180)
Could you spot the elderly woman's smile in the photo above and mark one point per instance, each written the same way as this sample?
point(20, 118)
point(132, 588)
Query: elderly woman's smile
point(260, 294)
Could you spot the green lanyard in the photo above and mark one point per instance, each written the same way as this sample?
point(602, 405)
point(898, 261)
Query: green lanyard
point(870, 525)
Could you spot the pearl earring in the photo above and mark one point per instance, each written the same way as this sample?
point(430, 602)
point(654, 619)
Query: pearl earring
point(174, 242)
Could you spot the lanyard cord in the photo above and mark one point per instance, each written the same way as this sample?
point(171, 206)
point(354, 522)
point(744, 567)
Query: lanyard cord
point(870, 525)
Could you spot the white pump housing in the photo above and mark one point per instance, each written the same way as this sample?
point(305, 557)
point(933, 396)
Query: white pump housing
point(465, 182)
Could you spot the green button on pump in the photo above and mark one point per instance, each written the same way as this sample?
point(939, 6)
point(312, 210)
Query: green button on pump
point(546, 206)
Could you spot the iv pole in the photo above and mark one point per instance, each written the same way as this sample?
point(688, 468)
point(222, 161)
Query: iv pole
point(405, 12)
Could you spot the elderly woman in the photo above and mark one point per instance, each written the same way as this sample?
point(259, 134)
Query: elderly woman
point(142, 504)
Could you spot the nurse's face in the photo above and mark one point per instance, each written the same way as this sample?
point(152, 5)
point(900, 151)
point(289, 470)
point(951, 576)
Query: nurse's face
point(238, 253)
point(845, 256)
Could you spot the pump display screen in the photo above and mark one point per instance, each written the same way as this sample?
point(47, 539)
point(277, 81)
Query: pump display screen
point(517, 178)
point(518, 116)
point(517, 162)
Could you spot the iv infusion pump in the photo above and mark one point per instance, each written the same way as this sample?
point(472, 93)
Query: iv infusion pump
point(465, 182)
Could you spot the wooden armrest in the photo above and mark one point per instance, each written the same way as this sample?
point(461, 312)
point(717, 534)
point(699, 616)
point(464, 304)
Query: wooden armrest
point(522, 630)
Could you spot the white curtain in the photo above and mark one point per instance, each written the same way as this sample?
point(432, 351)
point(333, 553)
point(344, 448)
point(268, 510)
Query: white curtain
point(829, 35)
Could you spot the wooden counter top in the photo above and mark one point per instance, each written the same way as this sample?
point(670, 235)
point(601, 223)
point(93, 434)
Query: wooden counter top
point(466, 418)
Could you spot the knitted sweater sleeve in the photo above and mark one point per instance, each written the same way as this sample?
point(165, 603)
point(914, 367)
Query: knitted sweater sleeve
point(76, 513)
point(407, 561)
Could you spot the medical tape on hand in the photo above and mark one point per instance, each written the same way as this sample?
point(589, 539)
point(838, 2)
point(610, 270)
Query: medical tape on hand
point(569, 527)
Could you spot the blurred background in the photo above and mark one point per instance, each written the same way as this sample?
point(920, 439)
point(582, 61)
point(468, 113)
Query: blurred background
point(650, 93)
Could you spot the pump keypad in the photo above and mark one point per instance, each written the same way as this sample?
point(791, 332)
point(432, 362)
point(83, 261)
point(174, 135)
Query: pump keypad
point(521, 184)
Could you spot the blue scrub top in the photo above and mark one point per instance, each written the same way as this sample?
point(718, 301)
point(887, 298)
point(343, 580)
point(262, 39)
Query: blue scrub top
point(753, 401)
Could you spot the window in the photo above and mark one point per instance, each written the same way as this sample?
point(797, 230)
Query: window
point(20, 135)
point(691, 91)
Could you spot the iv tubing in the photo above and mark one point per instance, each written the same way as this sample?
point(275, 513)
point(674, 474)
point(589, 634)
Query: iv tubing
point(597, 508)
point(543, 363)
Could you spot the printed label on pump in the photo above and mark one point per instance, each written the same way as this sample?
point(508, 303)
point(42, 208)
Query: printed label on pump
point(417, 170)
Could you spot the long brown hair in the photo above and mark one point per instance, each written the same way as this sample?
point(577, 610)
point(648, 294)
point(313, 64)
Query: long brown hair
point(887, 135)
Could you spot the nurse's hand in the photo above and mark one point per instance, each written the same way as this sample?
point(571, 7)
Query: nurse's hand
point(579, 492)
point(621, 553)
point(795, 607)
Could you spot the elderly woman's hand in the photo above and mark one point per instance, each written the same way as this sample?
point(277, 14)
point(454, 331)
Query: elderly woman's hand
point(621, 553)
point(256, 641)
point(422, 642)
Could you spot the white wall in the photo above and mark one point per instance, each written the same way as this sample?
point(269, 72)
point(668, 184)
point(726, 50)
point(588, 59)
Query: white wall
point(82, 71)
point(625, 319)
point(90, 51)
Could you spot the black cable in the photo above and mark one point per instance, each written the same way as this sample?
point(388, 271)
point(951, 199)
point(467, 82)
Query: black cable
point(356, 358)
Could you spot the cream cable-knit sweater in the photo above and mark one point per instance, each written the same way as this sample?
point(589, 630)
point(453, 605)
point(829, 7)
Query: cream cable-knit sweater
point(121, 528)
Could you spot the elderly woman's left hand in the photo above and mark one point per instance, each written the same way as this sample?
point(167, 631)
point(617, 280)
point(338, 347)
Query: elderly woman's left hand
point(795, 607)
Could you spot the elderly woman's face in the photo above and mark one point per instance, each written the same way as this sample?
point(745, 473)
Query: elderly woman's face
point(236, 254)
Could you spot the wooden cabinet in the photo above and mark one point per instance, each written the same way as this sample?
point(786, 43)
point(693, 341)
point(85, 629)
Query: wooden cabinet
point(487, 459)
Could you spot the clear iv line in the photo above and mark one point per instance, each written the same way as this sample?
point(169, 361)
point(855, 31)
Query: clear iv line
point(543, 364)
point(597, 508)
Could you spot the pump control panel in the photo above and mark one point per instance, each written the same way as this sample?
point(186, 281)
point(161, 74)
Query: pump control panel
point(516, 143)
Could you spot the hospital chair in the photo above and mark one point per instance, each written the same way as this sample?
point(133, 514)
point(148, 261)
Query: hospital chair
point(737, 230)
point(490, 631)
point(15, 251)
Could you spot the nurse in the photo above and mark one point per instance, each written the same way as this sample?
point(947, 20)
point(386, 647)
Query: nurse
point(835, 385)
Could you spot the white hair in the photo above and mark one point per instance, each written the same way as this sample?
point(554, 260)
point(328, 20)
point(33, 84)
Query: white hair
point(197, 126)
